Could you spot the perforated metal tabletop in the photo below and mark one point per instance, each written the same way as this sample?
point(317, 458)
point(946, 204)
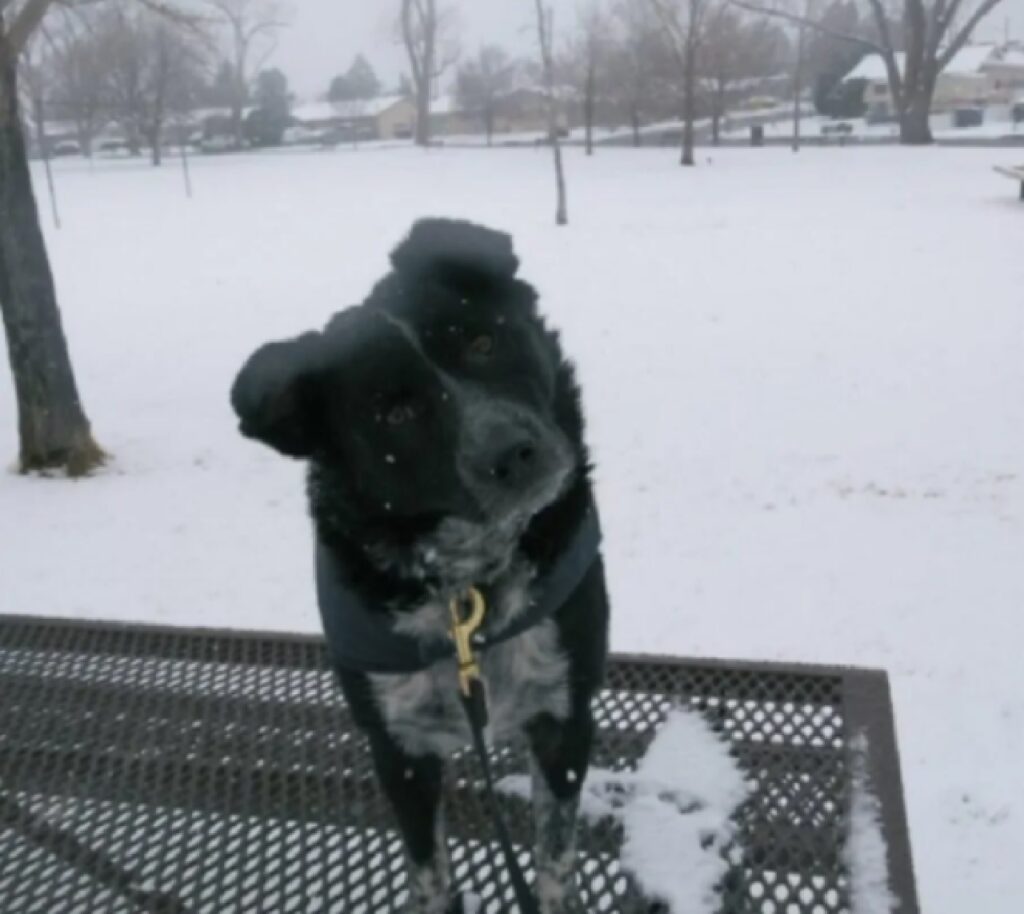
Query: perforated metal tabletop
point(147, 769)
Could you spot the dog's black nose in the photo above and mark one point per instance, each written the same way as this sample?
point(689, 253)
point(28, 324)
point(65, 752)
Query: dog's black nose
point(514, 463)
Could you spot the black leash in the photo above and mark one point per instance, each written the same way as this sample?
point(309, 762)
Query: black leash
point(473, 695)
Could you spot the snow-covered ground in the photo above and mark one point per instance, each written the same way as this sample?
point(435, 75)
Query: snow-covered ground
point(805, 381)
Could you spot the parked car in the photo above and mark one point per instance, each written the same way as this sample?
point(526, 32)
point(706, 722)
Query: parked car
point(65, 148)
point(218, 142)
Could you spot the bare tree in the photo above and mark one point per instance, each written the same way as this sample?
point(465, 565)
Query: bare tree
point(120, 35)
point(684, 23)
point(252, 27)
point(735, 54)
point(636, 63)
point(481, 84)
point(591, 55)
point(428, 34)
point(545, 24)
point(78, 69)
point(916, 40)
point(174, 67)
point(54, 432)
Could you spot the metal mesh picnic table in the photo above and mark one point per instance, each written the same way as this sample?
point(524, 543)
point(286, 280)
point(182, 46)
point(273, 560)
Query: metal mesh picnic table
point(149, 769)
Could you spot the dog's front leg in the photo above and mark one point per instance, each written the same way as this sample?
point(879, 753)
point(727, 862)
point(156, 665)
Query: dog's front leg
point(560, 755)
point(413, 785)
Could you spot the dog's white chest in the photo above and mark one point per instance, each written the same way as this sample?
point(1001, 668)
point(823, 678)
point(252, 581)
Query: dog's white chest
point(524, 676)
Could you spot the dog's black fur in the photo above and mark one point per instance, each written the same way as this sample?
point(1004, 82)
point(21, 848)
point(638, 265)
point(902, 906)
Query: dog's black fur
point(444, 435)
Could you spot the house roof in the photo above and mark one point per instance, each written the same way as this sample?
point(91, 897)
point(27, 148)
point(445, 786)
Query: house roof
point(327, 110)
point(967, 61)
point(1009, 57)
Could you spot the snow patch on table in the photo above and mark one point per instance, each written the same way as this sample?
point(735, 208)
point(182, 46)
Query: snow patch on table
point(865, 853)
point(675, 809)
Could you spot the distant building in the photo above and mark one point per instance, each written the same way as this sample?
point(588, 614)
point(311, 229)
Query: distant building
point(978, 75)
point(383, 118)
point(520, 111)
point(1005, 72)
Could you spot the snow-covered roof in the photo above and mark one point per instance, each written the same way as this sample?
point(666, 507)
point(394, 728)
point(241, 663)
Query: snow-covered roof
point(327, 110)
point(967, 61)
point(1010, 57)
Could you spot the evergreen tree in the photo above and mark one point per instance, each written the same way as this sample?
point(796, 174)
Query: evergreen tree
point(265, 125)
point(359, 82)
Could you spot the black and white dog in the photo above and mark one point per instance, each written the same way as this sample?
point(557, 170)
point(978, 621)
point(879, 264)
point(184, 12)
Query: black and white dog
point(444, 436)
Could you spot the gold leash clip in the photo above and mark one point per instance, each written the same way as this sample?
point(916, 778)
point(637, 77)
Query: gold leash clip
point(463, 630)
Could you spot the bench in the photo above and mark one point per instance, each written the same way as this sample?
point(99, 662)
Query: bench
point(1013, 171)
point(180, 771)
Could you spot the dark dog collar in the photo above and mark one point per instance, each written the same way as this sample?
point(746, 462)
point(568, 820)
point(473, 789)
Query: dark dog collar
point(363, 639)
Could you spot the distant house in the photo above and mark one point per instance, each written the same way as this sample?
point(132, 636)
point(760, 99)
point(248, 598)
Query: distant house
point(977, 75)
point(520, 111)
point(449, 118)
point(383, 118)
point(1005, 72)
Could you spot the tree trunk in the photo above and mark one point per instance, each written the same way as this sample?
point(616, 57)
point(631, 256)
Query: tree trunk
point(489, 124)
point(798, 86)
point(588, 109)
point(915, 129)
point(716, 123)
point(131, 136)
point(84, 138)
point(689, 106)
point(544, 39)
point(54, 431)
point(561, 211)
point(236, 125)
point(240, 89)
point(634, 121)
point(422, 136)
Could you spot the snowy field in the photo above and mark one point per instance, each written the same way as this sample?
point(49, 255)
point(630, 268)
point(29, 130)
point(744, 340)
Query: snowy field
point(805, 382)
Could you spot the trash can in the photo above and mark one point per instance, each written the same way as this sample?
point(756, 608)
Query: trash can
point(757, 135)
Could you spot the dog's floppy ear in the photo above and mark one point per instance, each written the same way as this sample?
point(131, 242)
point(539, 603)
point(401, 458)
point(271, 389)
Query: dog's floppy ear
point(276, 395)
point(455, 251)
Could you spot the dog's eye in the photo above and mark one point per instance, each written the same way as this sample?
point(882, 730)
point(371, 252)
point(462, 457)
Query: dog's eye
point(482, 344)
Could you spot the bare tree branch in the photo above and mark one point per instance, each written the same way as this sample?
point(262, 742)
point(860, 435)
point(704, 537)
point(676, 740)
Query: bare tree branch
point(961, 38)
point(23, 26)
point(190, 20)
point(888, 51)
point(797, 19)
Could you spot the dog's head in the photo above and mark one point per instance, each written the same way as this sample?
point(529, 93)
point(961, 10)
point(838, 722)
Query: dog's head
point(435, 400)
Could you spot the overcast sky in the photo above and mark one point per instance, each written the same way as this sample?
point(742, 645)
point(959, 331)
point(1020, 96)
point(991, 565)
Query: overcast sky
point(326, 34)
